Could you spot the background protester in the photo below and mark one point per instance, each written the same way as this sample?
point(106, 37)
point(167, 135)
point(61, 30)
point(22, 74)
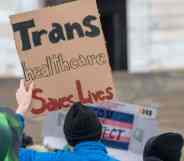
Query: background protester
point(165, 147)
point(82, 130)
point(26, 140)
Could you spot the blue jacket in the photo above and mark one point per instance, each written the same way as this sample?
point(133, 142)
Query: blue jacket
point(85, 151)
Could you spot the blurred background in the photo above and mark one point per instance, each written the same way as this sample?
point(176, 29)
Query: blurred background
point(145, 42)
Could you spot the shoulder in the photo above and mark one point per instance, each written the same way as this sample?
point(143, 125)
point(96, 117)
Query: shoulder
point(20, 119)
point(73, 156)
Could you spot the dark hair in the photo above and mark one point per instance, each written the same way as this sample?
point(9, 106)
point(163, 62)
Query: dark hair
point(81, 124)
point(26, 140)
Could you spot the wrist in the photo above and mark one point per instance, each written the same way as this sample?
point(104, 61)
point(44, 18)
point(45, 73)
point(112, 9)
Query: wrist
point(20, 110)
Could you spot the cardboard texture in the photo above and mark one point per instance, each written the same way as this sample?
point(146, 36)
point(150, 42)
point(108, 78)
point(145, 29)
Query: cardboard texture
point(62, 49)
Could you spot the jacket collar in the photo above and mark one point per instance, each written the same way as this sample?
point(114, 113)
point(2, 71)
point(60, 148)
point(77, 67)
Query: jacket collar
point(91, 146)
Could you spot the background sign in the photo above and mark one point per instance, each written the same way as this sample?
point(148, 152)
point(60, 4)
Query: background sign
point(132, 121)
point(117, 127)
point(125, 126)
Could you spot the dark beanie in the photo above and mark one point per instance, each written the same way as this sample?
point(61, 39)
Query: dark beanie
point(166, 147)
point(26, 140)
point(81, 124)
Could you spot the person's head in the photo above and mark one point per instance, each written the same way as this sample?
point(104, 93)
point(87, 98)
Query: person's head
point(81, 124)
point(10, 135)
point(165, 147)
point(26, 141)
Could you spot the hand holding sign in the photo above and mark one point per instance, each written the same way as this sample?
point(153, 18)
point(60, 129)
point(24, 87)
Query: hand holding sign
point(24, 97)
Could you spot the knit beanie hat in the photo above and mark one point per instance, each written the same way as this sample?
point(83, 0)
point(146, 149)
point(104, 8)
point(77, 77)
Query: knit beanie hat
point(166, 147)
point(81, 124)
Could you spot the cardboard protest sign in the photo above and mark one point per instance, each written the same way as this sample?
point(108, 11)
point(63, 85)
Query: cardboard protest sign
point(62, 49)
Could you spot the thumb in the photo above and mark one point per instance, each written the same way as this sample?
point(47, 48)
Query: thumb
point(22, 84)
point(31, 88)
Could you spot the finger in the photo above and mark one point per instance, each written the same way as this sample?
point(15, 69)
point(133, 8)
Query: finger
point(19, 91)
point(22, 84)
point(31, 88)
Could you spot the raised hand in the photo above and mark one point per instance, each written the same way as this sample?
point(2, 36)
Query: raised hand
point(24, 97)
